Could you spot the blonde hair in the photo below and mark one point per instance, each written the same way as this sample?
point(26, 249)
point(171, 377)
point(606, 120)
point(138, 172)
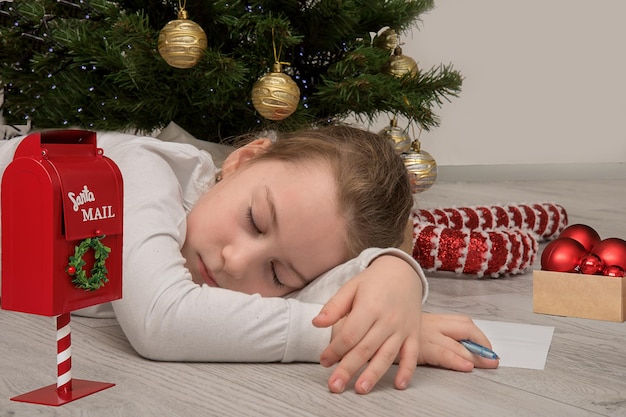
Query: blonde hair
point(374, 193)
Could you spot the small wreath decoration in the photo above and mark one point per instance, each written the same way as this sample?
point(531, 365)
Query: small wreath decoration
point(99, 271)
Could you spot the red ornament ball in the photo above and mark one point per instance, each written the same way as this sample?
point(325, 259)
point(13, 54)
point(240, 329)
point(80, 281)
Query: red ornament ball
point(71, 270)
point(614, 271)
point(591, 264)
point(612, 251)
point(584, 234)
point(562, 255)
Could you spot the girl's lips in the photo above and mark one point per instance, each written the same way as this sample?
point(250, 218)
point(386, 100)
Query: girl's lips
point(206, 276)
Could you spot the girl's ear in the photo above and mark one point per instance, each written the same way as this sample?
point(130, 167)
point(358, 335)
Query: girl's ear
point(241, 155)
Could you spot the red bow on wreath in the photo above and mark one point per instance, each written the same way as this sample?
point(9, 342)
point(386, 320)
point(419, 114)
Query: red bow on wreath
point(484, 240)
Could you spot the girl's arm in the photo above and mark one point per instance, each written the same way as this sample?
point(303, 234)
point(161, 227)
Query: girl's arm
point(326, 285)
point(372, 297)
point(376, 319)
point(382, 293)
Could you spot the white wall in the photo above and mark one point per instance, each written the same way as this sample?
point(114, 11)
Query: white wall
point(545, 81)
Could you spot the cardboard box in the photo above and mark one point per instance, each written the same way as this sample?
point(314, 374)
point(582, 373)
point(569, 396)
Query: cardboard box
point(577, 295)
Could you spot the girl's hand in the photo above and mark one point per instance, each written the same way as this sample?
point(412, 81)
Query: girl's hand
point(376, 317)
point(439, 344)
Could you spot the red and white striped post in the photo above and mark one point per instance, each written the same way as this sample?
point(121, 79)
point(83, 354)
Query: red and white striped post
point(66, 389)
point(64, 354)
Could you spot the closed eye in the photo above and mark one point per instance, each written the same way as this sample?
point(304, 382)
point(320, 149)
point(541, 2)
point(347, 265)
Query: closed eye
point(256, 229)
point(277, 281)
point(251, 221)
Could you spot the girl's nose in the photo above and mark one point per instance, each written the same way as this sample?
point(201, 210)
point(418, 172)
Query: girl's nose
point(238, 259)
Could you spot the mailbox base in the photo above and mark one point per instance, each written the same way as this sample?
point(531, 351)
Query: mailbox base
point(51, 396)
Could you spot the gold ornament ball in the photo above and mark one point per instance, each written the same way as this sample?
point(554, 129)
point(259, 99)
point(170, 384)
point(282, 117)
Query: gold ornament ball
point(387, 40)
point(182, 42)
point(275, 95)
point(421, 166)
point(400, 65)
point(398, 137)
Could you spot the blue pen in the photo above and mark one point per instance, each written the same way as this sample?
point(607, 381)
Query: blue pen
point(479, 349)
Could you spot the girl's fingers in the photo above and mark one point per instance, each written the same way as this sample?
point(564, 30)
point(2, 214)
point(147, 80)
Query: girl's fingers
point(454, 326)
point(338, 306)
point(409, 353)
point(449, 354)
point(378, 349)
point(349, 339)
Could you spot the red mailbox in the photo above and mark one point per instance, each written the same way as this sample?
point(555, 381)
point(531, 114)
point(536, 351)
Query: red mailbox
point(62, 208)
point(59, 191)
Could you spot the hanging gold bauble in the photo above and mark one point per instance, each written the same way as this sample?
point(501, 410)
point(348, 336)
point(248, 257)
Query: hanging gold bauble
point(397, 136)
point(400, 65)
point(182, 42)
point(387, 40)
point(421, 166)
point(275, 95)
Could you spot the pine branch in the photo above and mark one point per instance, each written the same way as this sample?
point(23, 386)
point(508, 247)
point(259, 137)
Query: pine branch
point(95, 64)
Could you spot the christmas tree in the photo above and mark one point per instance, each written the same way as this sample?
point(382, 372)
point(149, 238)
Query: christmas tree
point(95, 64)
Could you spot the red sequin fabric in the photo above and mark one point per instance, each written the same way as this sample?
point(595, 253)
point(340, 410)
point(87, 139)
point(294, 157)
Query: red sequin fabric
point(489, 241)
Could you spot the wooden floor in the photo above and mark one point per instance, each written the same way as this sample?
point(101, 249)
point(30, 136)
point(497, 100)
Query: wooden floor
point(585, 373)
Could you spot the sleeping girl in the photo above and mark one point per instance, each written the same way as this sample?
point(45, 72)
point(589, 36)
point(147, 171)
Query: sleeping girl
point(289, 253)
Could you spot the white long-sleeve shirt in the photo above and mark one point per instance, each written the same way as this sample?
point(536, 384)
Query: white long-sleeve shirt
point(163, 313)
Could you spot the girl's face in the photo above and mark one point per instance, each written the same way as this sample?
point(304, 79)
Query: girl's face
point(268, 227)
